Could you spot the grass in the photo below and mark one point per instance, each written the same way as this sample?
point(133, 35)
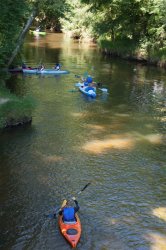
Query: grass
point(119, 47)
point(131, 49)
point(14, 110)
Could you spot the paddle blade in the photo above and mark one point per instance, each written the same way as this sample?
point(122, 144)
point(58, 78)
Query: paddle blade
point(77, 76)
point(78, 84)
point(85, 74)
point(73, 90)
point(52, 216)
point(64, 203)
point(85, 186)
point(104, 90)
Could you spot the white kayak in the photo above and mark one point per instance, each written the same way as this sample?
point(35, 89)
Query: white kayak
point(79, 84)
point(89, 91)
point(44, 71)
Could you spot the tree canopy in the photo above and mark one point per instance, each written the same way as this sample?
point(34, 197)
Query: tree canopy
point(138, 24)
point(15, 15)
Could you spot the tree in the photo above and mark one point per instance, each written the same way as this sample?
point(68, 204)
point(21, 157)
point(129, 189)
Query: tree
point(12, 18)
point(16, 18)
point(142, 22)
point(77, 19)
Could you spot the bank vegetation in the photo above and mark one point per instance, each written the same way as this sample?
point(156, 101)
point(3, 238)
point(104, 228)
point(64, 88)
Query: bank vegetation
point(131, 29)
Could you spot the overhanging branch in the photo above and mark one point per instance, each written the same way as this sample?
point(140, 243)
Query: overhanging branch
point(22, 36)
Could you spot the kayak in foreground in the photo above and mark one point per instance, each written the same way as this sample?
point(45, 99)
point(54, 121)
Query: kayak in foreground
point(44, 71)
point(89, 91)
point(79, 84)
point(70, 230)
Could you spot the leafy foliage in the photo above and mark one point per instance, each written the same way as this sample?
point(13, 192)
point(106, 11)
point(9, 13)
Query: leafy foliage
point(77, 19)
point(14, 109)
point(141, 21)
point(12, 17)
point(49, 12)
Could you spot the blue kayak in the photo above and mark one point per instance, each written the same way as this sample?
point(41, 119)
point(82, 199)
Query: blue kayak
point(45, 71)
point(89, 91)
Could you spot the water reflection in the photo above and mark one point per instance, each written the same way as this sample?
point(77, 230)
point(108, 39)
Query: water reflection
point(115, 141)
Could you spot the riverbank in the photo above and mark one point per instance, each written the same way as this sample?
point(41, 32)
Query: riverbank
point(129, 50)
point(14, 110)
point(126, 49)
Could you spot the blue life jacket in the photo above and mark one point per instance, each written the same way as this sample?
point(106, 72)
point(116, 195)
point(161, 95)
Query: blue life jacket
point(68, 214)
point(85, 83)
point(89, 79)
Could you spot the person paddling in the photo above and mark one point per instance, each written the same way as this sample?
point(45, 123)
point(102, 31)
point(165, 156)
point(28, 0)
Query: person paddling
point(57, 66)
point(24, 66)
point(68, 211)
point(88, 81)
point(41, 67)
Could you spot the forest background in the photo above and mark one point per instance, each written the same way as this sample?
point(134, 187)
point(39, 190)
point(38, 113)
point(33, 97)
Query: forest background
point(127, 28)
point(131, 29)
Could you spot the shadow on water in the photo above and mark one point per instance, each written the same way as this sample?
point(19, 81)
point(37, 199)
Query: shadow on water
point(115, 141)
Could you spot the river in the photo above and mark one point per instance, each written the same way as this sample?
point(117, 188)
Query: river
point(115, 141)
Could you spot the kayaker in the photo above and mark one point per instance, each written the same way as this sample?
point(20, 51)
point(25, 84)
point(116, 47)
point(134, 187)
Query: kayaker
point(88, 81)
point(41, 67)
point(57, 66)
point(24, 66)
point(37, 29)
point(68, 211)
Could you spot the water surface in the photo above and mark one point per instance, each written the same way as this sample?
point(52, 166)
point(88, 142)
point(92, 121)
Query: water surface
point(115, 141)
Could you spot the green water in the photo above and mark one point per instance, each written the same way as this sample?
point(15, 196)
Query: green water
point(115, 141)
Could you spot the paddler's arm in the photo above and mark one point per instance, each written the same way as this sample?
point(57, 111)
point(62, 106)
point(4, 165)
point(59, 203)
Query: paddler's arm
point(76, 208)
point(60, 212)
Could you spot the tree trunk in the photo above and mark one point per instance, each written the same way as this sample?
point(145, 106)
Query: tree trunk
point(22, 36)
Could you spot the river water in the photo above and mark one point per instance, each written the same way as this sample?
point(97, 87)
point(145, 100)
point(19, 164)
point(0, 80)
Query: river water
point(115, 141)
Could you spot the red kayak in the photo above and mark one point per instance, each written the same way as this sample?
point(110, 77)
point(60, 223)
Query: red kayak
point(71, 231)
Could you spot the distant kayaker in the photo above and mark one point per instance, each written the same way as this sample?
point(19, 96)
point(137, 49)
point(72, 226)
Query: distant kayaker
point(68, 211)
point(24, 66)
point(41, 67)
point(57, 66)
point(37, 29)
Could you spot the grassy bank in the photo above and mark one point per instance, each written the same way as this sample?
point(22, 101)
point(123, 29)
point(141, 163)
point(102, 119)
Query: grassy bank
point(14, 110)
point(128, 49)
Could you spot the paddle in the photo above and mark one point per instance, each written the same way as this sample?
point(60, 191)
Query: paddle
point(84, 188)
point(98, 84)
point(104, 90)
point(40, 63)
point(77, 76)
point(78, 84)
point(72, 90)
point(56, 211)
point(84, 75)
